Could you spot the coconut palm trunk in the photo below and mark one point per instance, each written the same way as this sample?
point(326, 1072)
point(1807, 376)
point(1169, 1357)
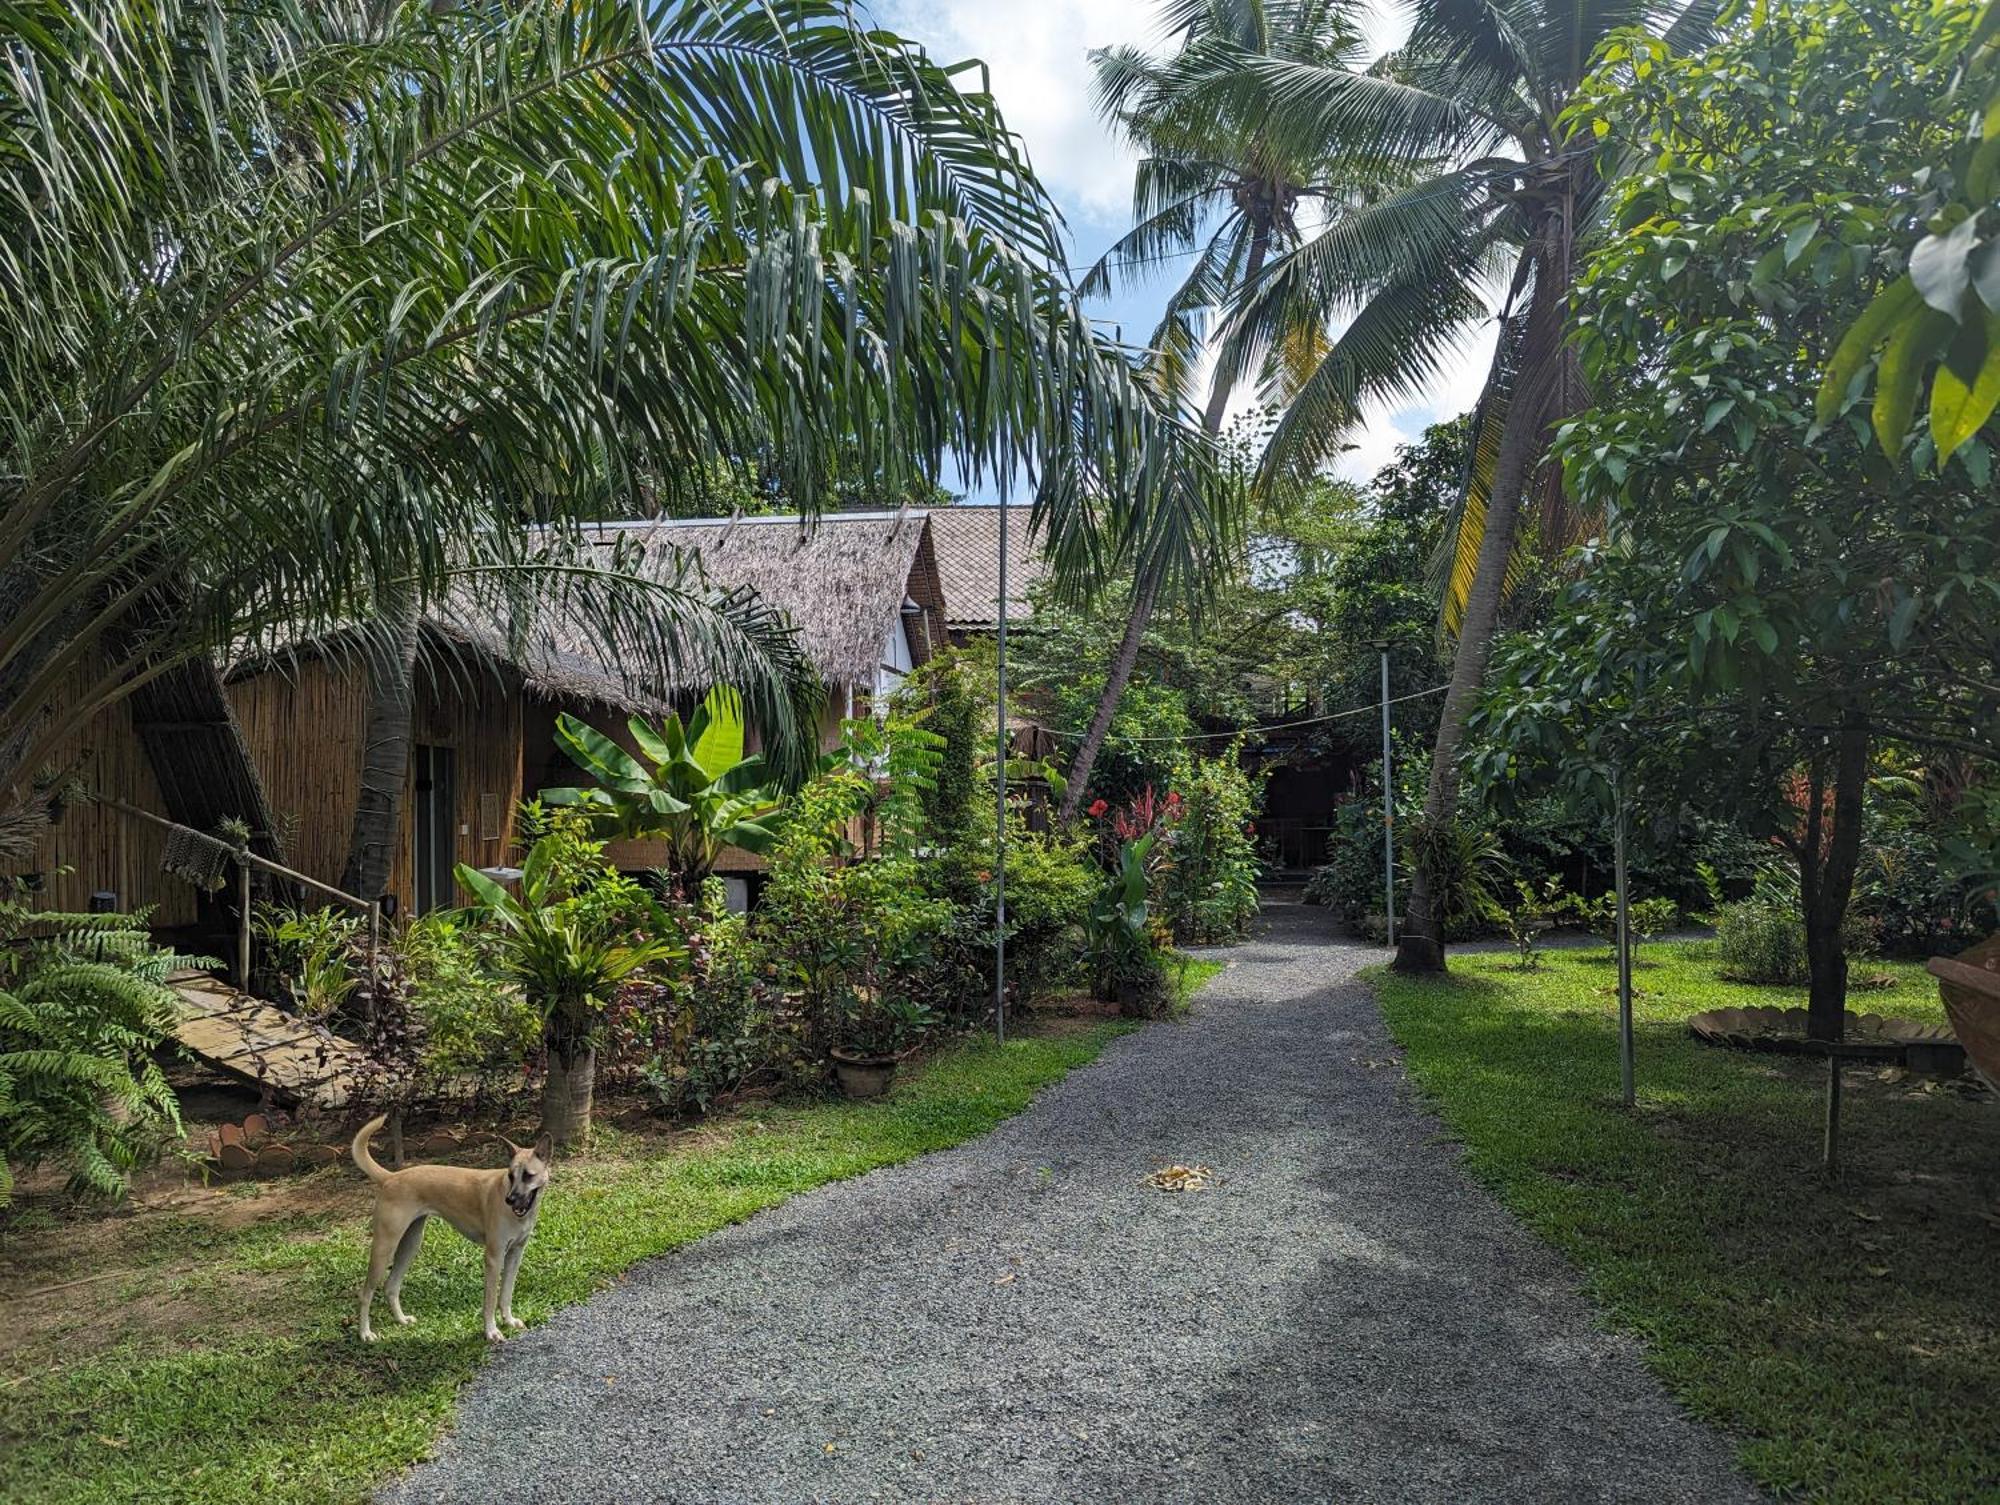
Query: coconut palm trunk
point(568, 1091)
point(1420, 944)
point(1145, 596)
point(385, 759)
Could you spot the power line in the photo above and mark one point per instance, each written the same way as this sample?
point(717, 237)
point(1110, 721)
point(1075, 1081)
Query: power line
point(1276, 726)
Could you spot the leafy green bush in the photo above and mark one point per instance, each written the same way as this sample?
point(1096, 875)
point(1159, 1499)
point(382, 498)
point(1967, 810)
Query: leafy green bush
point(469, 1022)
point(852, 944)
point(1125, 960)
point(1763, 938)
point(1919, 905)
point(1208, 892)
point(313, 951)
point(84, 1002)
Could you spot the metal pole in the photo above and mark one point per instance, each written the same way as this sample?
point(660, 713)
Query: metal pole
point(1624, 946)
point(1830, 1152)
point(1000, 812)
point(1388, 810)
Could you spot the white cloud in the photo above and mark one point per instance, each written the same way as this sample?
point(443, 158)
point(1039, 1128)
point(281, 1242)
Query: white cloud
point(1037, 52)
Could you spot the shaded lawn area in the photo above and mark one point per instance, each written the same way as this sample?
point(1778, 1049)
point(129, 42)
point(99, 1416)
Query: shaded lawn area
point(220, 1363)
point(1846, 1333)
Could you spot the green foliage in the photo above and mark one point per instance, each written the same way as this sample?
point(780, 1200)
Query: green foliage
point(856, 946)
point(569, 948)
point(1762, 939)
point(1946, 308)
point(314, 952)
point(1534, 912)
point(1208, 892)
point(945, 696)
point(471, 1022)
point(84, 1003)
point(1124, 957)
point(696, 789)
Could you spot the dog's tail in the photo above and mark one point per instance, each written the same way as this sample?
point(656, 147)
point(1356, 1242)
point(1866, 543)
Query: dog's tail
point(362, 1158)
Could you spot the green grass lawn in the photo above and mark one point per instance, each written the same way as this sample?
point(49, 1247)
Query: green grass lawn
point(1846, 1333)
point(219, 1363)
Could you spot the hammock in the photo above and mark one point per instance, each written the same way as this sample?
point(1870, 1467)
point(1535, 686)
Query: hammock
point(1970, 986)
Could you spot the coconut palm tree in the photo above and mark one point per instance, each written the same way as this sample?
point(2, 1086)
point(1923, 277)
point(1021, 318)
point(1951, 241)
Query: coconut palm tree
point(1212, 185)
point(304, 310)
point(1501, 195)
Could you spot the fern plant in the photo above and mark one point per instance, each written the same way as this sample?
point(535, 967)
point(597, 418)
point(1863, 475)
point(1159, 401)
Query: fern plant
point(84, 1002)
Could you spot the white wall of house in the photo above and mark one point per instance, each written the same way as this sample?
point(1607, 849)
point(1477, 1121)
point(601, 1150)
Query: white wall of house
point(895, 661)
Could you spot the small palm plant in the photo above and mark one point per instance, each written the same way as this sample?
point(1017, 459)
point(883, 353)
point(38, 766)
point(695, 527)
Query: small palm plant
point(569, 947)
point(84, 1001)
point(701, 794)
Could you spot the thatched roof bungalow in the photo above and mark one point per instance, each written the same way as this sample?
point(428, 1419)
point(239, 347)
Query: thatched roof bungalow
point(279, 740)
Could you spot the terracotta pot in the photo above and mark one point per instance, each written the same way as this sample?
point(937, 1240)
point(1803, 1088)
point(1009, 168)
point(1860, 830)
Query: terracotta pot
point(863, 1076)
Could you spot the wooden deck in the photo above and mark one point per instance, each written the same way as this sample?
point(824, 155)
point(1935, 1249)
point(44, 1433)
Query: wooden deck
point(294, 1061)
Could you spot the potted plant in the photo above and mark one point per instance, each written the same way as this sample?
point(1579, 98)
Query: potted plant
point(877, 1032)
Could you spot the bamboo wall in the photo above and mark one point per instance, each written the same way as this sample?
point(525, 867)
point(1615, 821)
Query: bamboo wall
point(305, 725)
point(106, 850)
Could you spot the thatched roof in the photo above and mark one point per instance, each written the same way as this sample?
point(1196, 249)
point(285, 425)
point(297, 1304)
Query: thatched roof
point(844, 579)
point(967, 538)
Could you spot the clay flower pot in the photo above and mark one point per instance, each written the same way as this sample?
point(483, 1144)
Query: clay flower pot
point(861, 1075)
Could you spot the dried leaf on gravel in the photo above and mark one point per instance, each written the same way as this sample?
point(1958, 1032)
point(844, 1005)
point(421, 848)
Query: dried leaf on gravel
point(1181, 1177)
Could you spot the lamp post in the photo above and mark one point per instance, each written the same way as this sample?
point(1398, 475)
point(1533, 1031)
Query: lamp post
point(1625, 1083)
point(1000, 810)
point(1381, 645)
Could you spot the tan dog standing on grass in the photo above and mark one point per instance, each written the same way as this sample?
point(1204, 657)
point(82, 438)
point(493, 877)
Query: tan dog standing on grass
point(495, 1209)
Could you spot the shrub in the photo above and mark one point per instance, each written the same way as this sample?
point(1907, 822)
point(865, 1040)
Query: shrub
point(313, 952)
point(469, 1023)
point(854, 945)
point(1918, 905)
point(1533, 914)
point(1123, 952)
point(1762, 939)
point(84, 1002)
point(1759, 941)
point(1208, 893)
point(705, 1027)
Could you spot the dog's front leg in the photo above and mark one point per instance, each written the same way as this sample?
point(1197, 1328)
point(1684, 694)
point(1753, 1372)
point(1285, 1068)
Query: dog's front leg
point(496, 1258)
point(513, 1268)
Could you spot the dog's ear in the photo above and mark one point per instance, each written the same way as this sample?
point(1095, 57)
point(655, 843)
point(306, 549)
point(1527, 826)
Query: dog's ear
point(512, 1148)
point(545, 1147)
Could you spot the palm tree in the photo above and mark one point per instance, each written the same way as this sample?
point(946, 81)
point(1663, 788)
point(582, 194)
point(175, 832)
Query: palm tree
point(1500, 195)
point(1212, 185)
point(304, 310)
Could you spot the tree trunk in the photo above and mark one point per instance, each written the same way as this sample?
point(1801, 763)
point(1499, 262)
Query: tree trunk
point(1827, 862)
point(1420, 945)
point(385, 766)
point(567, 1092)
point(1120, 675)
point(1145, 594)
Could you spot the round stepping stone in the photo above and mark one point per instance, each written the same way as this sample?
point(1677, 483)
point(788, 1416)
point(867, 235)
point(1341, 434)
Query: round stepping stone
point(235, 1156)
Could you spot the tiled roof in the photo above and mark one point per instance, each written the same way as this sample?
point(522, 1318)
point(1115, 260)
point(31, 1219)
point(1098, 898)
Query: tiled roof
point(967, 540)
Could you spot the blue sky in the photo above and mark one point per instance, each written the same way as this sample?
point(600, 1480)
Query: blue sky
point(1037, 54)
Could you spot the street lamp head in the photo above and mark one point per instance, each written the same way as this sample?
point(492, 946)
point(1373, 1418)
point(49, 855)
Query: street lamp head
point(1380, 645)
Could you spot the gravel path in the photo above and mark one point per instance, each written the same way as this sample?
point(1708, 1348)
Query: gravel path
point(1343, 1317)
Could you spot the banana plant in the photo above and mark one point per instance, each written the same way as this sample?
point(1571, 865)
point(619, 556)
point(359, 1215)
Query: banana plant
point(696, 790)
